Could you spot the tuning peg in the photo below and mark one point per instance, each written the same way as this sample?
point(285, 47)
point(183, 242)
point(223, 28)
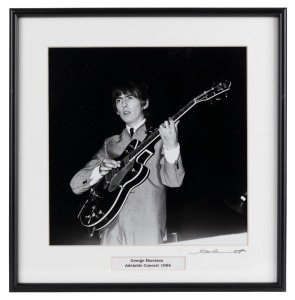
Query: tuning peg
point(225, 95)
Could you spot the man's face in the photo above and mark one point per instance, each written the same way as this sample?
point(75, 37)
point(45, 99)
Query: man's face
point(129, 109)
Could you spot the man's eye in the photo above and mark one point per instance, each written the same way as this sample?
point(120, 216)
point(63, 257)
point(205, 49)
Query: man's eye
point(130, 97)
point(118, 100)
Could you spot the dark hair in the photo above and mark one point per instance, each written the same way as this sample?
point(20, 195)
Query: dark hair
point(138, 90)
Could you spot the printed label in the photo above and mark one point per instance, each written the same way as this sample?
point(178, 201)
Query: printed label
point(148, 263)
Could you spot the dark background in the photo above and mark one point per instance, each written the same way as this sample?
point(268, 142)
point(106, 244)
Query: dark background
point(213, 136)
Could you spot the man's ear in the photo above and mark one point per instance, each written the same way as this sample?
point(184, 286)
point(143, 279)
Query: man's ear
point(146, 105)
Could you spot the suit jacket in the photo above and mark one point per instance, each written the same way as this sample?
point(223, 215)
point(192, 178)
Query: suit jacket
point(146, 204)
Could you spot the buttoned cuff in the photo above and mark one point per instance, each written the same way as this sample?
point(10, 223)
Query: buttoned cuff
point(171, 155)
point(95, 176)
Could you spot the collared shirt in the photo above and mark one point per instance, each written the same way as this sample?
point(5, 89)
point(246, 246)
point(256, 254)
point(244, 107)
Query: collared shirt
point(136, 126)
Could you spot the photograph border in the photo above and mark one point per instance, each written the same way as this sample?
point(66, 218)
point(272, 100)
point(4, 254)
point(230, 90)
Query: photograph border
point(281, 15)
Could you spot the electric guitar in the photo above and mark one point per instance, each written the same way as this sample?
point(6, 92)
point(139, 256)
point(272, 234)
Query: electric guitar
point(108, 195)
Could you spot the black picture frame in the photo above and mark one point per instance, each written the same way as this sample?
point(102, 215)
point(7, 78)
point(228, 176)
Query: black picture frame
point(15, 15)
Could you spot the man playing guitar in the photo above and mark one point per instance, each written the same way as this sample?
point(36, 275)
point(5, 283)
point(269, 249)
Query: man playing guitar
point(141, 219)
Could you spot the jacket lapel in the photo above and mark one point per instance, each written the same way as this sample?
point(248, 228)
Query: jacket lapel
point(118, 143)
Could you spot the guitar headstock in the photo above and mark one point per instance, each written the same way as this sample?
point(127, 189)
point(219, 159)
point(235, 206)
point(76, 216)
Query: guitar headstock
point(218, 89)
point(222, 86)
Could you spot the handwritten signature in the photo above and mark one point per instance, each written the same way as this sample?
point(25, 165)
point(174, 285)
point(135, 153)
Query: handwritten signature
point(217, 251)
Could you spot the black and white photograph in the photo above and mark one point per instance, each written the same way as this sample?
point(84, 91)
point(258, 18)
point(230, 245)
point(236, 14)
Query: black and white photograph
point(148, 146)
point(147, 149)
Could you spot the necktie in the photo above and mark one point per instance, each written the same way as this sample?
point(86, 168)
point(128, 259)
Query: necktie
point(131, 132)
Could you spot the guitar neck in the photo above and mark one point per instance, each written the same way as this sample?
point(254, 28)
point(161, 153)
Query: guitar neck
point(205, 96)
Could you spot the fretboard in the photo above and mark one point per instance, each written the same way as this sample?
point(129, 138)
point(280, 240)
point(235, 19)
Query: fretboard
point(207, 95)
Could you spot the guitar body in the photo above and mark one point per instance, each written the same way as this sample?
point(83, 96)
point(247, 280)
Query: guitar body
point(106, 199)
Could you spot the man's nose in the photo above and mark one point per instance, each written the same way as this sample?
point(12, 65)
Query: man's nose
point(124, 102)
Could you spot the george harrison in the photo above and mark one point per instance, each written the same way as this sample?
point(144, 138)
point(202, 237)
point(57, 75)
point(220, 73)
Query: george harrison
point(128, 176)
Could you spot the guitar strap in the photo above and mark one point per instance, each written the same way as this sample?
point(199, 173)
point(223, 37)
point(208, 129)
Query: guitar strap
point(149, 129)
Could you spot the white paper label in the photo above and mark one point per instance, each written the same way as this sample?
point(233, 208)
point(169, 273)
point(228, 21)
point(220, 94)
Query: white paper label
point(148, 263)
